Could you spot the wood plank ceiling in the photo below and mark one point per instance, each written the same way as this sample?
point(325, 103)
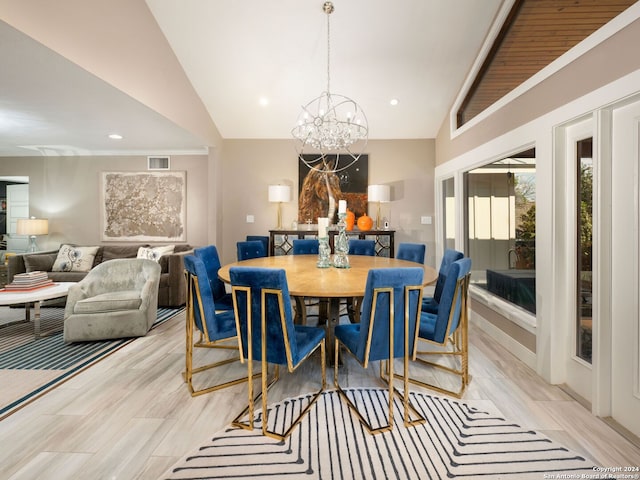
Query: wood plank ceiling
point(535, 33)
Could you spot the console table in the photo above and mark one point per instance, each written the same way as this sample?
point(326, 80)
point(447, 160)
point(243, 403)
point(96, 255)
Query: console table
point(281, 241)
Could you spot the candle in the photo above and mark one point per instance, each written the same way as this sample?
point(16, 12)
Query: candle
point(342, 206)
point(323, 224)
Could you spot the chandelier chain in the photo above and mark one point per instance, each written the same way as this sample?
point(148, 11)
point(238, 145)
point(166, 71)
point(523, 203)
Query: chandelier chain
point(328, 51)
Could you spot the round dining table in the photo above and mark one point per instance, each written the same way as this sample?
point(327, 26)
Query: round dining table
point(305, 279)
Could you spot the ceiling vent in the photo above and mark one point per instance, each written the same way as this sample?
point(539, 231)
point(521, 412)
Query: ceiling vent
point(158, 163)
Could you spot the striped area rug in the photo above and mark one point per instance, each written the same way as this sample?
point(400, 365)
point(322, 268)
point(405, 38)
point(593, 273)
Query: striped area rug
point(459, 440)
point(22, 355)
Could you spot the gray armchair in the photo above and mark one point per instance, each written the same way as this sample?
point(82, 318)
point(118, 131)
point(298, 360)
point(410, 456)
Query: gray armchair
point(117, 299)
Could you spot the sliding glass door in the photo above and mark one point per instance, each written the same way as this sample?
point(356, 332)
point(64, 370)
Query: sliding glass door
point(584, 243)
point(501, 228)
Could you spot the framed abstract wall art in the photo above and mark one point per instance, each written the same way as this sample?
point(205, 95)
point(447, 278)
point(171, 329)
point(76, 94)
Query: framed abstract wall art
point(143, 206)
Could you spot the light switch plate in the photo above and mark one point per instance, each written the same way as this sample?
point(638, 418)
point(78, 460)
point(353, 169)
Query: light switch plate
point(250, 219)
point(426, 220)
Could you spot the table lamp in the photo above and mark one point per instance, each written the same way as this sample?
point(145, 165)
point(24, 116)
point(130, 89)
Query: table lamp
point(380, 194)
point(32, 226)
point(279, 194)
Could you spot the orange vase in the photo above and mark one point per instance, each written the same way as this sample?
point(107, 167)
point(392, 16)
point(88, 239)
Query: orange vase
point(365, 223)
point(350, 219)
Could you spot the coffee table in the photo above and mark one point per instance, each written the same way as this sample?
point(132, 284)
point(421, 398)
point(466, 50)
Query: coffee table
point(35, 298)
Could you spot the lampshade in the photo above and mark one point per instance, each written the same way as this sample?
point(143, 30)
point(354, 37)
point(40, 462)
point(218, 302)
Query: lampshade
point(379, 193)
point(279, 193)
point(32, 226)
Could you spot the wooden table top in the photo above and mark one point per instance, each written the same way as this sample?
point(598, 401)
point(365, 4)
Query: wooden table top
point(307, 280)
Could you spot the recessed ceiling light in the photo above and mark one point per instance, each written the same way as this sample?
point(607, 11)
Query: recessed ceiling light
point(115, 136)
point(264, 101)
point(394, 102)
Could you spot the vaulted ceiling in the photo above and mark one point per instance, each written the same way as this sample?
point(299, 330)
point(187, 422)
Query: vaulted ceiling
point(253, 64)
point(239, 53)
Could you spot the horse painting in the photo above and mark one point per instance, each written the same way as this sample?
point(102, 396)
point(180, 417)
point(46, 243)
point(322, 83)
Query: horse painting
point(319, 195)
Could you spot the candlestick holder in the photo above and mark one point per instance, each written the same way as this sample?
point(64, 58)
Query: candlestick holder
point(340, 258)
point(324, 253)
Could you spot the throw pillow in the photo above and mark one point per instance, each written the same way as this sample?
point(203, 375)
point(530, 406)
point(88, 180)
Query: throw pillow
point(74, 259)
point(155, 253)
point(111, 252)
point(42, 262)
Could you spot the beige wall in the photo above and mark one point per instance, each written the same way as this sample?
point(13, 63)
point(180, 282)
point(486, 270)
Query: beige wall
point(66, 190)
point(249, 166)
point(223, 188)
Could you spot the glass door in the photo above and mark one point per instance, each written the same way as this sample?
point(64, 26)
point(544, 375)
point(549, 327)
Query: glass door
point(584, 248)
point(575, 180)
point(625, 268)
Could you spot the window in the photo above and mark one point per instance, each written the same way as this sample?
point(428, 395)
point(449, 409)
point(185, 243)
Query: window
point(584, 240)
point(534, 34)
point(449, 213)
point(501, 229)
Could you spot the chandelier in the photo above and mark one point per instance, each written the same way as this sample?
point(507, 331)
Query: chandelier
point(331, 131)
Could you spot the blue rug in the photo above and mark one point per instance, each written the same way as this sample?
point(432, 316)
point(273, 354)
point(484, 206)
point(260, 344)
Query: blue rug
point(51, 353)
point(20, 352)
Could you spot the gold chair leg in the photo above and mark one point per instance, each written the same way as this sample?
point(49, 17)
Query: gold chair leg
point(292, 426)
point(459, 349)
point(454, 393)
point(408, 407)
point(189, 378)
point(265, 385)
point(190, 370)
point(203, 343)
point(404, 396)
point(249, 410)
point(388, 380)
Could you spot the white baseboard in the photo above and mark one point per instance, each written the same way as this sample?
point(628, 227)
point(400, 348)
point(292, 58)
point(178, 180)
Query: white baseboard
point(508, 342)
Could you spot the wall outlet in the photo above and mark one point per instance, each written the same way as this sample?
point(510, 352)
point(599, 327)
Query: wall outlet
point(426, 220)
point(250, 219)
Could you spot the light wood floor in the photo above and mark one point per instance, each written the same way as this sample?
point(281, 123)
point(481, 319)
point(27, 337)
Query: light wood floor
point(130, 416)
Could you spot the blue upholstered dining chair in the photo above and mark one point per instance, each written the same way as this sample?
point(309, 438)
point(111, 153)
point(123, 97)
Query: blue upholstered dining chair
point(211, 259)
point(362, 247)
point(264, 318)
point(447, 330)
point(260, 238)
point(217, 328)
point(430, 304)
point(358, 247)
point(305, 246)
point(412, 252)
point(391, 308)
point(250, 249)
